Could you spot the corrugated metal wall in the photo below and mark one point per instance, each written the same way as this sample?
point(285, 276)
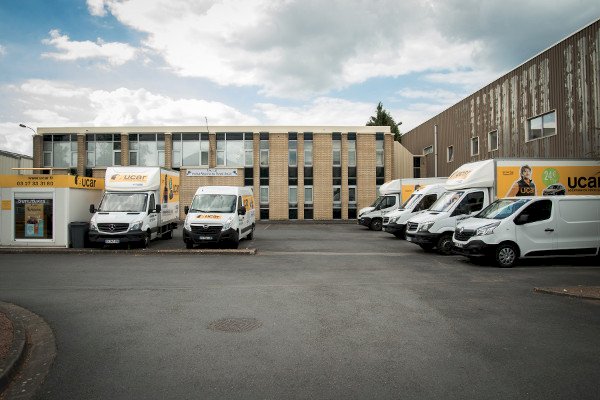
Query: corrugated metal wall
point(564, 78)
point(8, 162)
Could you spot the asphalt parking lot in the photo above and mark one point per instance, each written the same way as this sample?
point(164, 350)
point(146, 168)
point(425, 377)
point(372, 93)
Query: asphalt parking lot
point(321, 311)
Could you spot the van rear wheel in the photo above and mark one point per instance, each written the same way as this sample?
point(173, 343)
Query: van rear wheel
point(506, 255)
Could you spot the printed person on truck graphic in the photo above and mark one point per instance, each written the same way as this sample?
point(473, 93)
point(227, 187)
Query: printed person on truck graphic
point(524, 186)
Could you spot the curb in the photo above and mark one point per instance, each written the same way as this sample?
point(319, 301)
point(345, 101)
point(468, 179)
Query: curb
point(10, 364)
point(593, 293)
point(65, 250)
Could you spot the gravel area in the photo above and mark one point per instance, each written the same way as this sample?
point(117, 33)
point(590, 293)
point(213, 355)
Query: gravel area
point(6, 335)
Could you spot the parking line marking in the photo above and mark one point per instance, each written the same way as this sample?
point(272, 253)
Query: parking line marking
point(327, 253)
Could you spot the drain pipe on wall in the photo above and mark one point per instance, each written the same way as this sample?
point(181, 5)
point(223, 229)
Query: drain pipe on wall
point(435, 151)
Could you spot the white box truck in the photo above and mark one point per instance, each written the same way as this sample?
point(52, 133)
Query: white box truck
point(220, 214)
point(522, 227)
point(474, 186)
point(394, 222)
point(138, 205)
point(393, 194)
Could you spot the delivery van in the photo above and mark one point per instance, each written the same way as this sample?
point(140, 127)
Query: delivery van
point(138, 204)
point(475, 185)
point(393, 195)
point(522, 227)
point(394, 222)
point(220, 214)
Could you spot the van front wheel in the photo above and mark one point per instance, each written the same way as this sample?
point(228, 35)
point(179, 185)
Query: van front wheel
point(375, 225)
point(506, 255)
point(444, 244)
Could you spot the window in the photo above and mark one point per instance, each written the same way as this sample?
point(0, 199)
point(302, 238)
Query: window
point(450, 154)
point(337, 196)
point(264, 195)
point(308, 194)
point(190, 149)
point(542, 126)
point(352, 195)
point(427, 150)
point(493, 141)
point(103, 150)
point(426, 202)
point(308, 151)
point(33, 216)
point(538, 211)
point(147, 149)
point(60, 151)
point(293, 152)
point(264, 152)
point(248, 149)
point(293, 202)
point(351, 150)
point(471, 203)
point(337, 152)
point(379, 152)
point(474, 146)
point(231, 149)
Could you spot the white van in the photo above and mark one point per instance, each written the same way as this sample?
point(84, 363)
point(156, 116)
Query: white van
point(220, 214)
point(518, 227)
point(394, 222)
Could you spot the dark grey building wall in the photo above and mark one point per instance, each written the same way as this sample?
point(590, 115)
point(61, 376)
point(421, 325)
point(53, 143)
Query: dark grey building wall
point(565, 78)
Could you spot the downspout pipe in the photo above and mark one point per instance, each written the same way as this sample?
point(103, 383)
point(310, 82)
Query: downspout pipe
point(435, 150)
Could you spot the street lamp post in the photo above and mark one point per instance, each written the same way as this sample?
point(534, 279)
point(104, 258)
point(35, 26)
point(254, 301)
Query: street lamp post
point(28, 127)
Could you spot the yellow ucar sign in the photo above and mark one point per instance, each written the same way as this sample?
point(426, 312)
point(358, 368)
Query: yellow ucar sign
point(51, 181)
point(542, 180)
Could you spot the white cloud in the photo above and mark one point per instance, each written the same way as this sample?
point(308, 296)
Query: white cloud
point(16, 139)
point(2, 50)
point(96, 7)
point(114, 53)
point(435, 96)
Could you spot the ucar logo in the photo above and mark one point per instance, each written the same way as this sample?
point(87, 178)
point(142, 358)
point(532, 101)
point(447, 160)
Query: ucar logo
point(129, 178)
point(583, 182)
point(85, 182)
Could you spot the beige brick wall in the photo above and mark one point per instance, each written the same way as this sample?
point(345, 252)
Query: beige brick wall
point(99, 173)
point(38, 153)
point(212, 150)
point(189, 185)
point(168, 150)
point(300, 176)
point(365, 170)
point(256, 172)
point(322, 176)
point(388, 144)
point(278, 176)
point(344, 196)
point(124, 149)
point(81, 154)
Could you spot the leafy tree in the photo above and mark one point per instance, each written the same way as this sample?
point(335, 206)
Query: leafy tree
point(383, 118)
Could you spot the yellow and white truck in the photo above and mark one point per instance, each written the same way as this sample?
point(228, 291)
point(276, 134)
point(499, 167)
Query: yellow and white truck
point(138, 205)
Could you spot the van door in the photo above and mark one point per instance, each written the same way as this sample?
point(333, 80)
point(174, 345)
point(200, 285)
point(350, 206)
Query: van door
point(242, 219)
point(578, 225)
point(536, 229)
point(152, 216)
point(388, 204)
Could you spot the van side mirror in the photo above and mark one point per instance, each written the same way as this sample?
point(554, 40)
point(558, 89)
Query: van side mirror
point(186, 209)
point(157, 208)
point(92, 209)
point(242, 210)
point(521, 219)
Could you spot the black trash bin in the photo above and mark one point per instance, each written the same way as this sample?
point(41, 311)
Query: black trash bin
point(78, 232)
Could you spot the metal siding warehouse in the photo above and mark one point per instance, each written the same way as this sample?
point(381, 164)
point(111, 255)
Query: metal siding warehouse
point(350, 161)
point(9, 160)
point(561, 85)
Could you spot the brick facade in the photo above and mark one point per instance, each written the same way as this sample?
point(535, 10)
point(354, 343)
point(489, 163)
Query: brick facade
point(278, 176)
point(322, 176)
point(365, 170)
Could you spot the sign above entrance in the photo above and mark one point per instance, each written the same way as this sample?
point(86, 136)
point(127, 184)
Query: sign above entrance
point(51, 181)
point(212, 172)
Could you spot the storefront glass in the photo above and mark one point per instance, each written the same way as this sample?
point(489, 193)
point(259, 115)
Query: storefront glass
point(33, 218)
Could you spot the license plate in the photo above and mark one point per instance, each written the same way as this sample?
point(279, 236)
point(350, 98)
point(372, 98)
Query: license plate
point(409, 239)
point(459, 245)
point(205, 237)
point(112, 241)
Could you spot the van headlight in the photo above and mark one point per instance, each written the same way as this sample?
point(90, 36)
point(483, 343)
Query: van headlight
point(424, 227)
point(227, 223)
point(393, 220)
point(136, 226)
point(186, 225)
point(93, 226)
point(487, 230)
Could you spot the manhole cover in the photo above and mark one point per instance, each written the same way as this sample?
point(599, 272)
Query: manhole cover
point(235, 324)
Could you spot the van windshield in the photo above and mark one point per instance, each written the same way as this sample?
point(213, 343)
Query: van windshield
point(411, 201)
point(446, 201)
point(217, 203)
point(502, 208)
point(377, 201)
point(123, 202)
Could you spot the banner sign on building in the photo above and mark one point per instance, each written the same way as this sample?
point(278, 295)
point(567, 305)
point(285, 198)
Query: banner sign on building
point(212, 172)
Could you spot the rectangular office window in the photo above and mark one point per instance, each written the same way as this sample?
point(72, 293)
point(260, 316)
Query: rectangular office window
point(542, 126)
point(416, 167)
point(474, 146)
point(351, 202)
point(308, 151)
point(450, 154)
point(293, 202)
point(147, 149)
point(33, 213)
point(264, 202)
point(337, 152)
point(293, 153)
point(60, 151)
point(337, 195)
point(428, 150)
point(231, 149)
point(351, 153)
point(103, 149)
point(190, 150)
point(248, 149)
point(379, 153)
point(264, 152)
point(493, 141)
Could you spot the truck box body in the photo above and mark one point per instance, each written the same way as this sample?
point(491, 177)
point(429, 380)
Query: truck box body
point(393, 195)
point(128, 211)
point(474, 186)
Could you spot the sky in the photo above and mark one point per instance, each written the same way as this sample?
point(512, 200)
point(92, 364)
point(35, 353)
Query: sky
point(259, 62)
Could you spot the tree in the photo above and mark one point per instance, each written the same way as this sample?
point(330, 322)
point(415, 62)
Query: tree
point(384, 118)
